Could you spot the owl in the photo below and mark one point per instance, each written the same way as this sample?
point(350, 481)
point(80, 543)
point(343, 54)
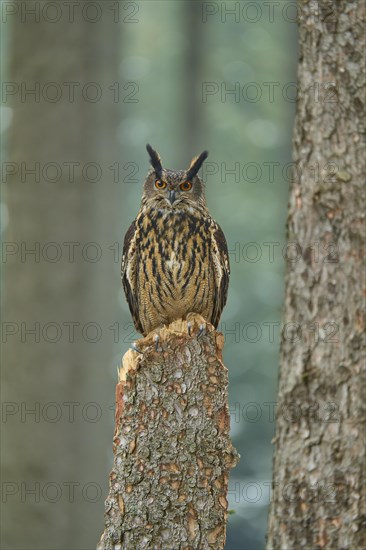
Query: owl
point(175, 258)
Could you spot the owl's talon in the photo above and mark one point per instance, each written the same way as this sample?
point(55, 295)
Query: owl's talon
point(156, 340)
point(201, 331)
point(189, 327)
point(135, 348)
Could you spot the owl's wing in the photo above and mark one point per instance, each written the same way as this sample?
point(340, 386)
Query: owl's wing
point(129, 274)
point(221, 263)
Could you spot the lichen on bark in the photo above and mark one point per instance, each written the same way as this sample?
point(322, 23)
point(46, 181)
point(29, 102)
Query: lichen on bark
point(172, 450)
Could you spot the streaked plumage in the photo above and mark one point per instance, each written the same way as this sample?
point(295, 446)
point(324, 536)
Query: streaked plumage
point(175, 259)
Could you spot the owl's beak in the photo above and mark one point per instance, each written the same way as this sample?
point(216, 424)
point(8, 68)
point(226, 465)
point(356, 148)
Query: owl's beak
point(172, 196)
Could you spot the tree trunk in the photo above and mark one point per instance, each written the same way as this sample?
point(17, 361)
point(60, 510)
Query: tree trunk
point(318, 499)
point(172, 451)
point(59, 294)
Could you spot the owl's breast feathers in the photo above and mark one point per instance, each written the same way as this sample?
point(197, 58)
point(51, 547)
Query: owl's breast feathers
point(174, 262)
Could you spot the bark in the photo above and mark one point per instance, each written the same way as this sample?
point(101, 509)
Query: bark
point(318, 499)
point(172, 451)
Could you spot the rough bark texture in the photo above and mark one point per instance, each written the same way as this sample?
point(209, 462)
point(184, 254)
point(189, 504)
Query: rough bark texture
point(318, 499)
point(172, 451)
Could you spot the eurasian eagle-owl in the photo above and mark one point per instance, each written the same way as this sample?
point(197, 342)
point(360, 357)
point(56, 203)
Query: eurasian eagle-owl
point(175, 258)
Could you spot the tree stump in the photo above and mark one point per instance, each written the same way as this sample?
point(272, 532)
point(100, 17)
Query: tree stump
point(172, 450)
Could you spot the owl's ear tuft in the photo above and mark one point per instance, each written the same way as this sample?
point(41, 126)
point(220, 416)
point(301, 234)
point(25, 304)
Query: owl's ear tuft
point(196, 165)
point(155, 160)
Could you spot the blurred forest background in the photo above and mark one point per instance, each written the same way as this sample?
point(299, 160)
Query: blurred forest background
point(107, 78)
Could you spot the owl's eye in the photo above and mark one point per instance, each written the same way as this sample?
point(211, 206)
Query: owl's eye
point(160, 184)
point(186, 186)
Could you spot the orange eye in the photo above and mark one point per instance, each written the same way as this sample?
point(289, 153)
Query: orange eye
point(160, 184)
point(186, 186)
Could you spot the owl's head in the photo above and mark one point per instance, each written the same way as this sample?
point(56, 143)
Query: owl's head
point(172, 189)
